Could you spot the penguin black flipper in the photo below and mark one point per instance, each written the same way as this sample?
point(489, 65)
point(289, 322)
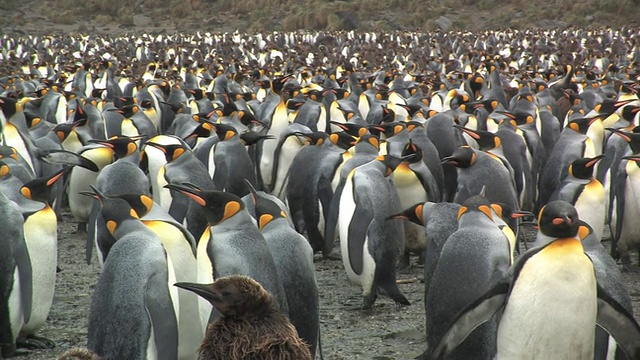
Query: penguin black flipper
point(165, 328)
point(331, 219)
point(64, 157)
point(91, 231)
point(220, 181)
point(358, 228)
point(619, 323)
point(476, 314)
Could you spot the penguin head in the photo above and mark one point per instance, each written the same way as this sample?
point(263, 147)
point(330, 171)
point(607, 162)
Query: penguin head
point(39, 189)
point(171, 151)
point(413, 214)
point(8, 106)
point(476, 203)
point(518, 118)
point(369, 140)
point(266, 210)
point(202, 130)
point(352, 128)
point(141, 204)
point(63, 130)
point(486, 140)
point(412, 125)
point(583, 168)
point(122, 146)
point(558, 219)
point(462, 157)
point(393, 128)
point(225, 131)
point(32, 119)
point(233, 296)
point(342, 139)
point(630, 112)
point(114, 210)
point(390, 162)
point(218, 205)
point(632, 138)
point(314, 138)
point(8, 152)
point(412, 152)
point(581, 125)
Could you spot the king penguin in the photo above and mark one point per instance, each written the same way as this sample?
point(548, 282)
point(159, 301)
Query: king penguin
point(370, 245)
point(230, 245)
point(473, 258)
point(293, 257)
point(537, 298)
point(134, 308)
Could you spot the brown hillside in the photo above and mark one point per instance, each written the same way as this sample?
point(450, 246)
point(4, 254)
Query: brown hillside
point(223, 15)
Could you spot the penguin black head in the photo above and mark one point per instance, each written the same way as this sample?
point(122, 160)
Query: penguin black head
point(412, 152)
point(171, 151)
point(8, 106)
point(369, 139)
point(583, 168)
point(40, 189)
point(202, 130)
point(141, 204)
point(518, 118)
point(632, 138)
point(629, 112)
point(412, 109)
point(413, 214)
point(218, 205)
point(63, 130)
point(476, 203)
point(352, 129)
point(393, 128)
point(266, 210)
point(8, 152)
point(486, 140)
point(114, 210)
point(32, 119)
point(558, 219)
point(581, 125)
point(390, 162)
point(225, 131)
point(342, 140)
point(462, 157)
point(122, 146)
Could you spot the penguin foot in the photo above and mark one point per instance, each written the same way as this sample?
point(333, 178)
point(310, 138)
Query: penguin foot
point(81, 229)
point(36, 342)
point(10, 350)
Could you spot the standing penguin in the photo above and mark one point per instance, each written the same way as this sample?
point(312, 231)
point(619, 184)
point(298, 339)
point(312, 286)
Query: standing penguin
point(231, 244)
point(370, 246)
point(480, 248)
point(583, 191)
point(293, 257)
point(626, 229)
point(41, 238)
point(540, 298)
point(231, 162)
point(133, 313)
point(16, 276)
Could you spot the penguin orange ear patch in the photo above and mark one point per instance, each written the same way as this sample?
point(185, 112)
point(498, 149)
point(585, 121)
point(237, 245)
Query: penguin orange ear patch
point(583, 232)
point(230, 209)
point(463, 209)
point(497, 209)
point(147, 201)
point(264, 220)
point(4, 170)
point(111, 226)
point(26, 192)
point(486, 210)
point(418, 211)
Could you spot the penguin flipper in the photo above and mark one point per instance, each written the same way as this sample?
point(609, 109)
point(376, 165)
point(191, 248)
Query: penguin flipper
point(64, 157)
point(23, 262)
point(220, 176)
point(163, 320)
point(619, 323)
point(474, 315)
point(620, 202)
point(91, 231)
point(358, 228)
point(331, 220)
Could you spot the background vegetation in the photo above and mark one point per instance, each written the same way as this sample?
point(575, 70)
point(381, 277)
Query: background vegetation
point(252, 15)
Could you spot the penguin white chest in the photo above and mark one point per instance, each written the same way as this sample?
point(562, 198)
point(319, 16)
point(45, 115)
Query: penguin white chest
point(630, 233)
point(552, 308)
point(411, 191)
point(591, 206)
point(41, 237)
point(347, 210)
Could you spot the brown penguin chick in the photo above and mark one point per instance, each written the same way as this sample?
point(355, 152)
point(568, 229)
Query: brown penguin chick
point(78, 354)
point(250, 328)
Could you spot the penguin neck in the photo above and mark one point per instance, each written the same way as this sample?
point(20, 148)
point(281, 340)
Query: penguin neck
point(472, 219)
point(234, 223)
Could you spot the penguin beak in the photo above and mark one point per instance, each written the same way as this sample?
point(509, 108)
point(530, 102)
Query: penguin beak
point(190, 190)
point(254, 193)
point(448, 160)
point(205, 291)
point(102, 142)
point(635, 158)
point(594, 160)
point(468, 131)
point(522, 214)
point(157, 146)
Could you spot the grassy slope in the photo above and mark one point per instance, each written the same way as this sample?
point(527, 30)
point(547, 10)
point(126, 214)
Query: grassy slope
point(189, 15)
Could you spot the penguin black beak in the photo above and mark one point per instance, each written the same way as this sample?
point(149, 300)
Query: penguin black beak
point(635, 158)
point(254, 193)
point(519, 214)
point(205, 291)
point(448, 160)
point(594, 160)
point(189, 190)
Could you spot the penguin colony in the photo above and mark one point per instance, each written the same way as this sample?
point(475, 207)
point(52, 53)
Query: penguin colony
point(192, 159)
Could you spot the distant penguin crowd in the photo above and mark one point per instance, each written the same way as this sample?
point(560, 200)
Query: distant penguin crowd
point(207, 169)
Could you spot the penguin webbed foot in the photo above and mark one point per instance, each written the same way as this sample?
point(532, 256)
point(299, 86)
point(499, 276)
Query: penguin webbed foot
point(36, 342)
point(10, 350)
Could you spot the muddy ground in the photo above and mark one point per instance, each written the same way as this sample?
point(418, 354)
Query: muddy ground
point(385, 332)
